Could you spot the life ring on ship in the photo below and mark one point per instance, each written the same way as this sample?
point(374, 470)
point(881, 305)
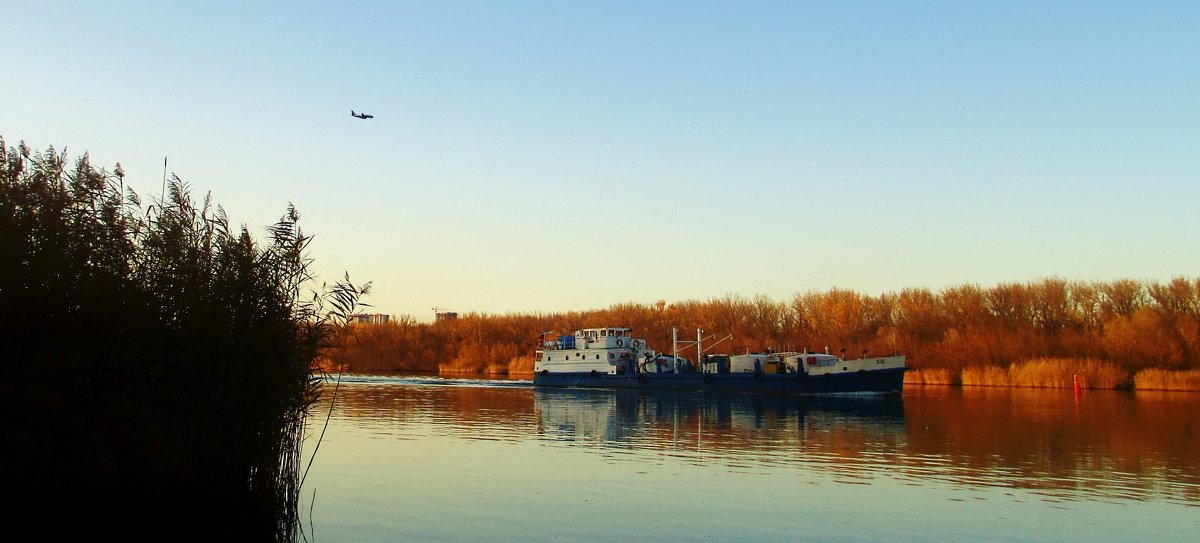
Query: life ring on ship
point(641, 378)
point(595, 375)
point(708, 379)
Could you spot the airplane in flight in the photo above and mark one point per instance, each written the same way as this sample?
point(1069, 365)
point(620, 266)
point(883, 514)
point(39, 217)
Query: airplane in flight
point(361, 115)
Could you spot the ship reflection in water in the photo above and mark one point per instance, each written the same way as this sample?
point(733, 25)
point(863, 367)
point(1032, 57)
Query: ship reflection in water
point(742, 430)
point(1005, 439)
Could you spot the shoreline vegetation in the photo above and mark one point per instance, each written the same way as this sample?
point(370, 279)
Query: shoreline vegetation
point(159, 364)
point(1050, 332)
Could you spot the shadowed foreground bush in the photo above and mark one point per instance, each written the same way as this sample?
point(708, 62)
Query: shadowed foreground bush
point(157, 363)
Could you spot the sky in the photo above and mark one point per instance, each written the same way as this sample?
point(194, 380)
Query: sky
point(538, 157)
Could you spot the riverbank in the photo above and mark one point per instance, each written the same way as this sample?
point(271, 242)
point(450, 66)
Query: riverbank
point(969, 334)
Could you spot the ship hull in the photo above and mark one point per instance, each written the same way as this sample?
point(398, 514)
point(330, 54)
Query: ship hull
point(882, 380)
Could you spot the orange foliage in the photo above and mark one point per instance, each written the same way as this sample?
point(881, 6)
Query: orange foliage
point(491, 358)
point(960, 330)
point(988, 376)
point(1144, 339)
point(520, 365)
point(1160, 379)
point(1049, 373)
point(1062, 373)
point(933, 376)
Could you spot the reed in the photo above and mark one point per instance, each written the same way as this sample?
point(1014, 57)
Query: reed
point(930, 376)
point(460, 367)
point(481, 358)
point(160, 362)
point(991, 376)
point(520, 365)
point(496, 368)
point(1062, 373)
point(1160, 379)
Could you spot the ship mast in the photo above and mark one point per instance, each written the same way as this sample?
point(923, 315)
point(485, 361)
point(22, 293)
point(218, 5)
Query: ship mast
point(675, 345)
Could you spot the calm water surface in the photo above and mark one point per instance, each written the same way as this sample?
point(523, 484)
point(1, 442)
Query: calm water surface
point(432, 459)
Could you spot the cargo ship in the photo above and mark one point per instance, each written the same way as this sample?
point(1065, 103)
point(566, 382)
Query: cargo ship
point(614, 358)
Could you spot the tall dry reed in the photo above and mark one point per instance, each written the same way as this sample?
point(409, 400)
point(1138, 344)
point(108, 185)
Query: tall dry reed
point(520, 365)
point(990, 376)
point(1160, 379)
point(1062, 373)
point(481, 358)
point(930, 376)
point(1049, 373)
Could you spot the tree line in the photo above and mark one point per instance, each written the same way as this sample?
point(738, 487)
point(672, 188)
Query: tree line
point(1131, 324)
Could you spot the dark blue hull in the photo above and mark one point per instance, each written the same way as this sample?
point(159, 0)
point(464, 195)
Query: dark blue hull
point(889, 380)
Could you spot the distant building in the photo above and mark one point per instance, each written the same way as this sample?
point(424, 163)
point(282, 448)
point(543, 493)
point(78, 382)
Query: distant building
point(446, 316)
point(370, 318)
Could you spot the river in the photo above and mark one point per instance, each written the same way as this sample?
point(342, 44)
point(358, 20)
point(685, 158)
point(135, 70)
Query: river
point(433, 459)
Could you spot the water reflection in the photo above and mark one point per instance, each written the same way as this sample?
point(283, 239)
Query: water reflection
point(1107, 446)
point(745, 430)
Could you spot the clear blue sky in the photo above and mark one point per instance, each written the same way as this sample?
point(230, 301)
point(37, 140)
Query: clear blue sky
point(549, 156)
